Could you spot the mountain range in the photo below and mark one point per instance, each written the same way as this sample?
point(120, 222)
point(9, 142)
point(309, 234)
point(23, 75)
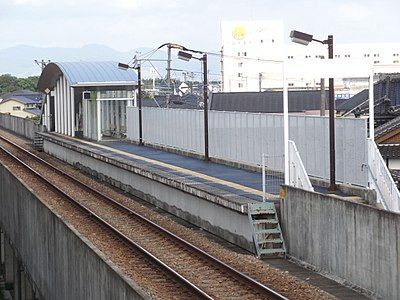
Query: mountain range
point(20, 60)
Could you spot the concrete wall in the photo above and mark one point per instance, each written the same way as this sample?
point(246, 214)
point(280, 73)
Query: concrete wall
point(21, 126)
point(15, 283)
point(63, 264)
point(165, 192)
point(353, 242)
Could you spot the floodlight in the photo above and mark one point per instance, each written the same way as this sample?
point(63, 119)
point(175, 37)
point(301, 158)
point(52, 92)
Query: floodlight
point(123, 66)
point(300, 37)
point(184, 56)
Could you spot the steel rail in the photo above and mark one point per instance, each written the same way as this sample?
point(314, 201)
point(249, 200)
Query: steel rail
point(114, 230)
point(268, 291)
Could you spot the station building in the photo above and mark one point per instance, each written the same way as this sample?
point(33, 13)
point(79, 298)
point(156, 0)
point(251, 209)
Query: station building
point(87, 99)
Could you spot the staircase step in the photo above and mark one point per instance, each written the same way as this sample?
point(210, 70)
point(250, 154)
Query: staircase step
point(268, 231)
point(265, 221)
point(272, 241)
point(263, 212)
point(272, 251)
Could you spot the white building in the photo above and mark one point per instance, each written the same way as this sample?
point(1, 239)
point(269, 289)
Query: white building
point(250, 49)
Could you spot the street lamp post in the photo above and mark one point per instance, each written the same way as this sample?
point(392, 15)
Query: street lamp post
point(139, 103)
point(305, 39)
point(205, 106)
point(332, 186)
point(186, 57)
point(139, 96)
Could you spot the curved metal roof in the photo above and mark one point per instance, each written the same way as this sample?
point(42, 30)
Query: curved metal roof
point(86, 74)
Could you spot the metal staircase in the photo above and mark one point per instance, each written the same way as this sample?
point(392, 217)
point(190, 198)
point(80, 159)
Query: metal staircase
point(267, 234)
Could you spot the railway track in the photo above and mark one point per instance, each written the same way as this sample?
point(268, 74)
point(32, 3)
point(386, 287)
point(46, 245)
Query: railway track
point(199, 273)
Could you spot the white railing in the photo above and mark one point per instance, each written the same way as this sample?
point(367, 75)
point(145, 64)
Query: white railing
point(273, 172)
point(298, 176)
point(381, 180)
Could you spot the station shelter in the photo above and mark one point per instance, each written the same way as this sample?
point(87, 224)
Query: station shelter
point(87, 99)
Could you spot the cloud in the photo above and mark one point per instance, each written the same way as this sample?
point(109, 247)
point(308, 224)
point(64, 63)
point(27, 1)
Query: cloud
point(128, 24)
point(128, 4)
point(77, 5)
point(353, 10)
point(29, 2)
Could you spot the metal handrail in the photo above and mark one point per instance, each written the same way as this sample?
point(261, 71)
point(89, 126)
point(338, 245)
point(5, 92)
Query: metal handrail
point(298, 176)
point(382, 179)
point(379, 193)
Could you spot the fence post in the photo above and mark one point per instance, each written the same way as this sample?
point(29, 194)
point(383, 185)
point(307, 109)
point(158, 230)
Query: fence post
point(263, 175)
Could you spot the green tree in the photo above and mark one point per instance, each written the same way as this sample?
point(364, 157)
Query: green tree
point(9, 83)
point(29, 83)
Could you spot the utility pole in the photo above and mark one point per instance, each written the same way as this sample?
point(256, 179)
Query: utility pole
point(139, 102)
point(259, 81)
point(191, 76)
point(205, 91)
point(169, 74)
point(323, 97)
point(42, 64)
point(222, 69)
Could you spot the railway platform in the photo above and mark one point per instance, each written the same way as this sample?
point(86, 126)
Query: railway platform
point(210, 195)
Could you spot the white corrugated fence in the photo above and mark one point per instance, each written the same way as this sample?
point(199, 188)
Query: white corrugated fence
point(244, 137)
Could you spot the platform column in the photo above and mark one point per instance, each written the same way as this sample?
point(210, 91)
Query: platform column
point(73, 118)
point(118, 116)
point(67, 100)
point(66, 106)
point(112, 112)
point(98, 109)
point(49, 116)
point(107, 115)
point(56, 107)
point(62, 105)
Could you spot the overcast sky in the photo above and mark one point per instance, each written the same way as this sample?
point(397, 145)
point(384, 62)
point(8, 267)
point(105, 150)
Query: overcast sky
point(129, 24)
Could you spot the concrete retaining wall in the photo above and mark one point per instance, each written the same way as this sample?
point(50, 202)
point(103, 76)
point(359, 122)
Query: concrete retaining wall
point(63, 264)
point(193, 207)
point(355, 243)
point(21, 126)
